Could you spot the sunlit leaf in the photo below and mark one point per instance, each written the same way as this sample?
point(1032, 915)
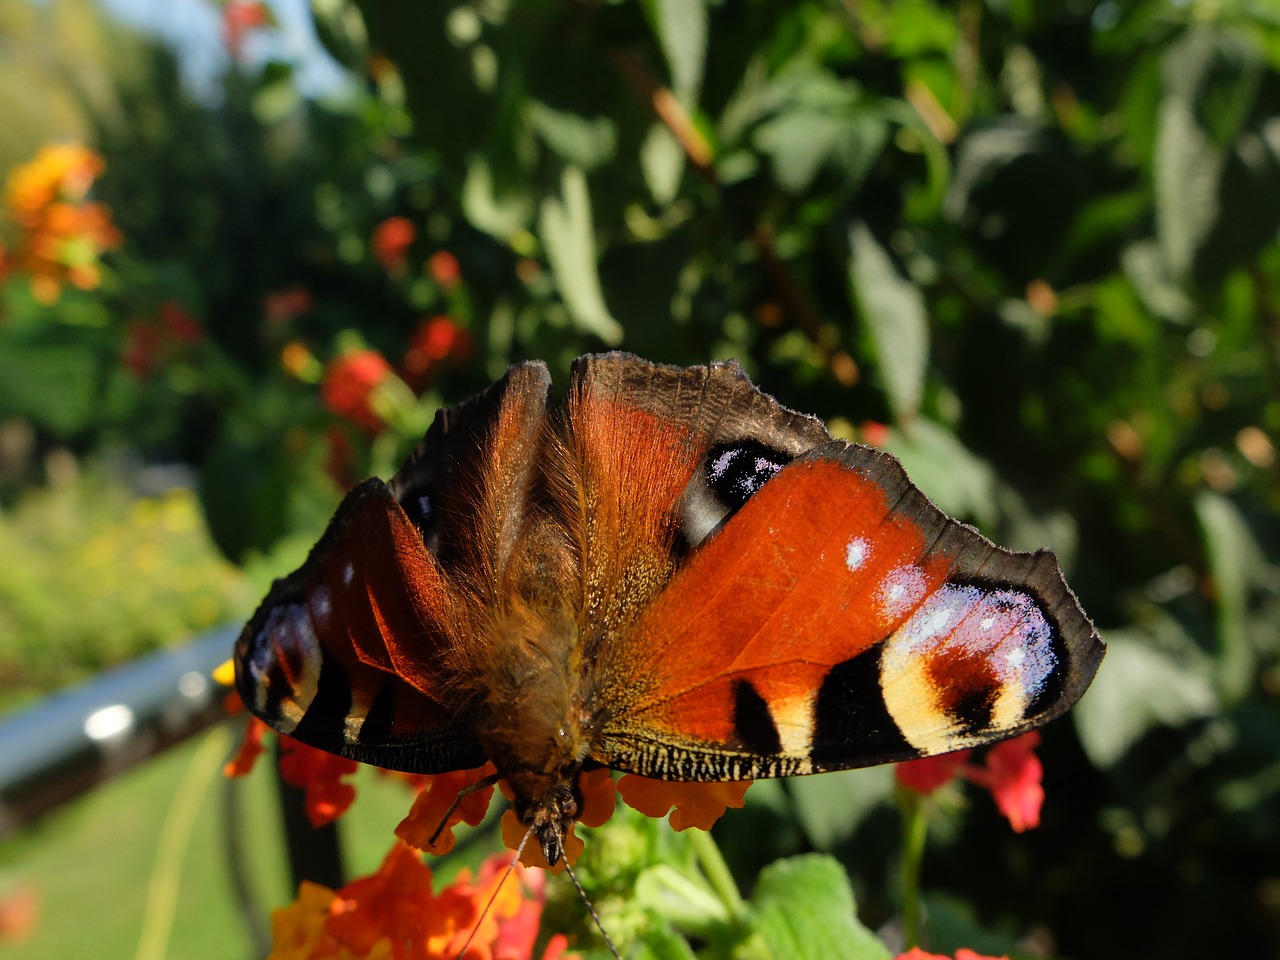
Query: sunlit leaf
point(804, 909)
point(894, 311)
point(568, 233)
point(1138, 688)
point(1232, 552)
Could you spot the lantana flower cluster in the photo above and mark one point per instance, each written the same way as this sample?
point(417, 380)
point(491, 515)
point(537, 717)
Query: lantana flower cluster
point(62, 234)
point(397, 914)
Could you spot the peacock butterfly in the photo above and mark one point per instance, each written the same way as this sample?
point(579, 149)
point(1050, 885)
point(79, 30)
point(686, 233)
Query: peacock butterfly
point(669, 574)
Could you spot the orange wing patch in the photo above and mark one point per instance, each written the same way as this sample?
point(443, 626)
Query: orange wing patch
point(776, 600)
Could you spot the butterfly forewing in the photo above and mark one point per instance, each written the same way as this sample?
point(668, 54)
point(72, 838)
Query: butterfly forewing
point(841, 620)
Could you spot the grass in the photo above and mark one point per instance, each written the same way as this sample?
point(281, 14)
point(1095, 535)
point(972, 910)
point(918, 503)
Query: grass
point(98, 863)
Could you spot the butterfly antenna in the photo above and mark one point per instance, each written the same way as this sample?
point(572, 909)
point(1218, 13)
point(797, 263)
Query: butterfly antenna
point(475, 927)
point(591, 909)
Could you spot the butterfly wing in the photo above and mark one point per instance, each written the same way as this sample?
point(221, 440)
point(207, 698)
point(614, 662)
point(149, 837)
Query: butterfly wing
point(364, 650)
point(628, 475)
point(838, 620)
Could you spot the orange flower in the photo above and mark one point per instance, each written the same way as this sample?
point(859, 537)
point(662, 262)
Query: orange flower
point(964, 953)
point(20, 913)
point(395, 914)
point(63, 234)
point(61, 171)
point(320, 774)
point(433, 802)
point(391, 241)
point(599, 799)
point(349, 384)
point(691, 804)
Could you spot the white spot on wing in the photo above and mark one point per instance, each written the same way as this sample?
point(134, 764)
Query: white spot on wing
point(321, 606)
point(348, 574)
point(856, 554)
point(900, 591)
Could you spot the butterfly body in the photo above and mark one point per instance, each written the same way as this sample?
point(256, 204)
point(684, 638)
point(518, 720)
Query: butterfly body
point(667, 574)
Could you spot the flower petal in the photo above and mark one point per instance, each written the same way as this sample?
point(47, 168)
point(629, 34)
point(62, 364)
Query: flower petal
point(695, 804)
point(433, 803)
point(927, 774)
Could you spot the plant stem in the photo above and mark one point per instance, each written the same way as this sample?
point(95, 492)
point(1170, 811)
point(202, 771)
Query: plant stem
point(717, 872)
point(915, 826)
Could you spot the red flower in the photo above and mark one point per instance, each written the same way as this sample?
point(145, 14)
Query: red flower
point(1014, 775)
point(238, 18)
point(391, 241)
point(281, 306)
point(315, 771)
point(320, 774)
point(929, 773)
point(177, 323)
point(444, 269)
point(874, 434)
point(349, 383)
point(435, 341)
point(251, 747)
point(1011, 771)
point(159, 339)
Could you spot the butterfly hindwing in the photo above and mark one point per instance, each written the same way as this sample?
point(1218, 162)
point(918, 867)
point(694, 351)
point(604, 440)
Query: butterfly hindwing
point(840, 620)
point(365, 650)
point(324, 661)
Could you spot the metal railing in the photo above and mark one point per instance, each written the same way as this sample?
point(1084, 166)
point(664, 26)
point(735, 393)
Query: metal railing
point(72, 740)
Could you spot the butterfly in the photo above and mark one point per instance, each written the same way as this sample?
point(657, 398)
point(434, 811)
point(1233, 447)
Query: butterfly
point(666, 573)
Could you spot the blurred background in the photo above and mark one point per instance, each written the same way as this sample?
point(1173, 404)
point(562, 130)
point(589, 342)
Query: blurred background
point(247, 249)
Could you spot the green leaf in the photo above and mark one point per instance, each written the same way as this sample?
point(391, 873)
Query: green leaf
point(1140, 687)
point(681, 28)
point(830, 807)
point(675, 896)
point(662, 163)
point(961, 483)
point(587, 143)
point(658, 942)
point(569, 236)
point(1232, 553)
point(502, 213)
point(819, 122)
point(804, 909)
point(894, 311)
point(1188, 166)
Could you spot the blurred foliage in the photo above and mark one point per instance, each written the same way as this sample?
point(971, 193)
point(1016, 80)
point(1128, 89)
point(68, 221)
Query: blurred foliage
point(1037, 240)
point(142, 571)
